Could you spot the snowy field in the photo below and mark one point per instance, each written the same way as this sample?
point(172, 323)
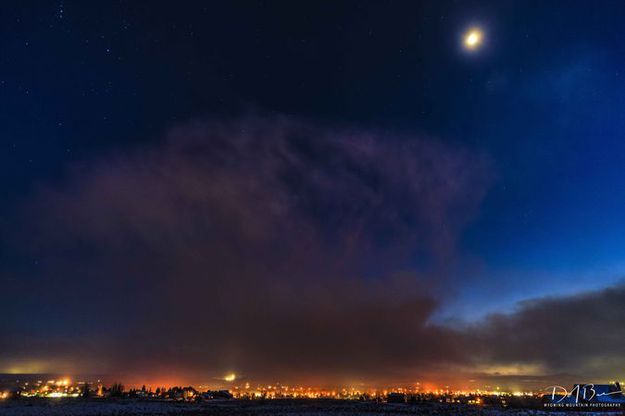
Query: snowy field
point(247, 408)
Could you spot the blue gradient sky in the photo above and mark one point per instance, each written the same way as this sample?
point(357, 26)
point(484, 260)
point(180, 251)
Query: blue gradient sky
point(544, 99)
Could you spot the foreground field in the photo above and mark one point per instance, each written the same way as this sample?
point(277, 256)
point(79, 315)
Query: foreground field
point(252, 408)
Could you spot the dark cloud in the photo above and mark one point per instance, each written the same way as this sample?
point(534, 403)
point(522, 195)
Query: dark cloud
point(580, 335)
point(278, 249)
point(267, 246)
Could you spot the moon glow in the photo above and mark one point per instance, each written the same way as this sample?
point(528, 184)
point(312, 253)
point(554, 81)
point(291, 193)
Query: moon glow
point(473, 39)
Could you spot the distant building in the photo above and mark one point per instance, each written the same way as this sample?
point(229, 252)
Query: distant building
point(217, 394)
point(396, 398)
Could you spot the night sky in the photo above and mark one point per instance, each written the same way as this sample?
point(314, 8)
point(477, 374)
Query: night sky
point(330, 192)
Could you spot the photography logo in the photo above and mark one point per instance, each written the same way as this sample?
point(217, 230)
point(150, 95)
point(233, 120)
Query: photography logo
point(584, 396)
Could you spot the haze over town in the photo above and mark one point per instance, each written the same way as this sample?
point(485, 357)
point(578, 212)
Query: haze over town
point(321, 194)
